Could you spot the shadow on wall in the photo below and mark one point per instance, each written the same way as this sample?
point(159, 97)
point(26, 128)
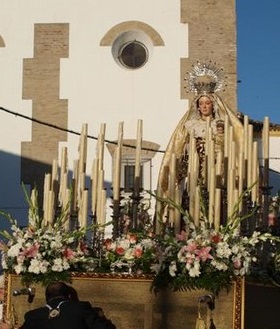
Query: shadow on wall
point(274, 181)
point(12, 198)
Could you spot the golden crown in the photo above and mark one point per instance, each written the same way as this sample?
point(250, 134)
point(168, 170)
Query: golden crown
point(205, 78)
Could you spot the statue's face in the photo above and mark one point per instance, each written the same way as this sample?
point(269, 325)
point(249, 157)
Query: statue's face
point(205, 106)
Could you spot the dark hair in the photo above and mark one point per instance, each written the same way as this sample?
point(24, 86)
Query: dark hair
point(57, 290)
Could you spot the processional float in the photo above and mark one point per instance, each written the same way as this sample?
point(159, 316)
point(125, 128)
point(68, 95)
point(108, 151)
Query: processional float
point(212, 170)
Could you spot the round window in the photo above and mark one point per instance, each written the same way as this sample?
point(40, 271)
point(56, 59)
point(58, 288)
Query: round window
point(132, 49)
point(133, 55)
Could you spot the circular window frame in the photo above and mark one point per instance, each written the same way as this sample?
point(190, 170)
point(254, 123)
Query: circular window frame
point(126, 39)
point(133, 57)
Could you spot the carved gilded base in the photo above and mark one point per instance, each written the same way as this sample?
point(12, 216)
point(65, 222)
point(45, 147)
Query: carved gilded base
point(129, 303)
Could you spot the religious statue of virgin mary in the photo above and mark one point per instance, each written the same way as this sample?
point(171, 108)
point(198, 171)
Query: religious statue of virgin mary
point(202, 127)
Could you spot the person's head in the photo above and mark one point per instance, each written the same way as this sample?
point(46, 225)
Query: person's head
point(205, 106)
point(220, 126)
point(57, 290)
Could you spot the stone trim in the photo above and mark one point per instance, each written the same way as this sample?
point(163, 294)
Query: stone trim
point(41, 78)
point(115, 31)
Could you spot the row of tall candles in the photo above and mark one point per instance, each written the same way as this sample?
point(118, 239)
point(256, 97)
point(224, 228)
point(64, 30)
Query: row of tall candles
point(233, 169)
point(58, 191)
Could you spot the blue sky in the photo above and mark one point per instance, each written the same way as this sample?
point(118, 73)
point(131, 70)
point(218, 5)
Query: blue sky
point(258, 58)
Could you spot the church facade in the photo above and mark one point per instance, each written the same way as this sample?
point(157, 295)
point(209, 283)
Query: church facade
point(69, 63)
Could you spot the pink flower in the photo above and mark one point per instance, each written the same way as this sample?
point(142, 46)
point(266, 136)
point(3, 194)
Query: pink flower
point(120, 251)
point(83, 247)
point(185, 255)
point(191, 247)
point(203, 253)
point(132, 238)
point(216, 238)
point(32, 251)
point(182, 236)
point(108, 243)
point(20, 258)
point(138, 252)
point(69, 253)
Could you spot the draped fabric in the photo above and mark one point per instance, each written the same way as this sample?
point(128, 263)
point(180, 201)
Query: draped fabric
point(190, 120)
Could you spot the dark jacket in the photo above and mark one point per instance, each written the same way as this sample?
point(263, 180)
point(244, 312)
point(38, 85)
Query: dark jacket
point(73, 315)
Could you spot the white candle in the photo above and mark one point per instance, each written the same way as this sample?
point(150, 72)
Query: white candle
point(84, 209)
point(54, 174)
point(100, 150)
point(192, 196)
point(117, 173)
point(211, 161)
point(83, 149)
point(231, 187)
point(246, 131)
point(63, 174)
point(47, 187)
point(75, 184)
point(207, 135)
point(217, 212)
point(82, 181)
point(197, 206)
point(94, 185)
point(117, 164)
point(254, 172)
point(250, 148)
point(63, 162)
point(265, 137)
point(240, 176)
point(120, 134)
point(212, 196)
point(219, 168)
point(50, 208)
point(99, 210)
point(103, 208)
point(226, 137)
point(66, 201)
point(138, 149)
point(81, 188)
point(62, 189)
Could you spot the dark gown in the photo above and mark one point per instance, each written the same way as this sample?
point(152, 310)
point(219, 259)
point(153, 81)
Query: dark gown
point(72, 315)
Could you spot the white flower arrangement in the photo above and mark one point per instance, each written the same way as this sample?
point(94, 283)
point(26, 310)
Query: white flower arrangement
point(132, 251)
point(201, 257)
point(42, 253)
point(40, 250)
